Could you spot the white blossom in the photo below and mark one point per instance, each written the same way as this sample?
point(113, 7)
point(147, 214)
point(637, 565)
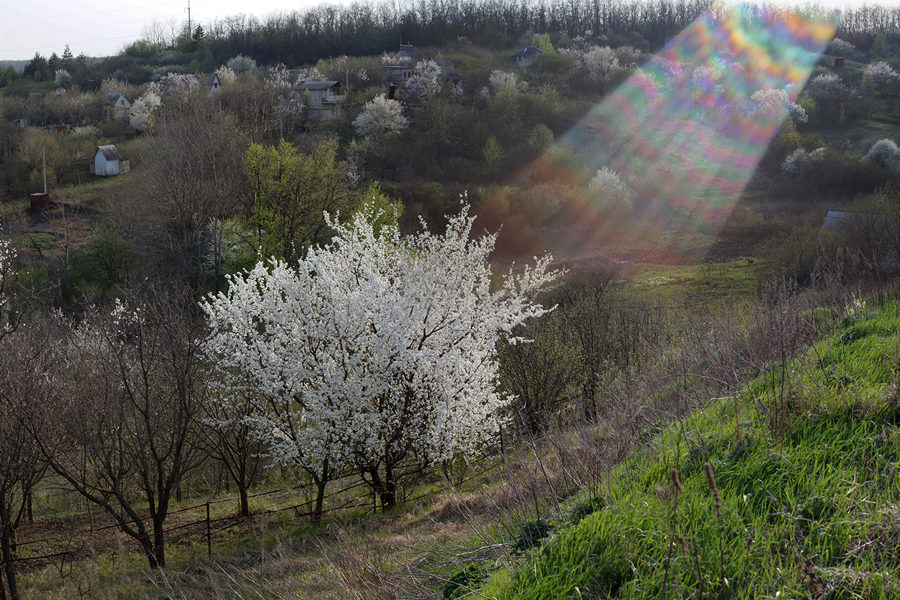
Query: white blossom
point(601, 62)
point(828, 83)
point(380, 116)
point(61, 78)
point(241, 64)
point(374, 345)
point(775, 104)
point(884, 152)
point(142, 114)
point(840, 47)
point(425, 82)
point(799, 161)
point(881, 74)
point(226, 75)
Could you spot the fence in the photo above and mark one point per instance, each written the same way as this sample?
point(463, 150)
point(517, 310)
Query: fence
point(207, 527)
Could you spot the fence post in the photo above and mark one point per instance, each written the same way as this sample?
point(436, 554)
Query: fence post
point(208, 536)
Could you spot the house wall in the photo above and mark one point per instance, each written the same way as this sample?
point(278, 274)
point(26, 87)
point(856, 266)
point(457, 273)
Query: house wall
point(105, 167)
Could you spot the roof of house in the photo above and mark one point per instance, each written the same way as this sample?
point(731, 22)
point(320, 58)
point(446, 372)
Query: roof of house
point(447, 66)
point(410, 51)
point(317, 85)
point(528, 52)
point(109, 152)
point(113, 96)
point(211, 79)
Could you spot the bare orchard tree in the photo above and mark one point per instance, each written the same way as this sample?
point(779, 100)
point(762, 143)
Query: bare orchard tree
point(192, 183)
point(232, 439)
point(24, 388)
point(123, 433)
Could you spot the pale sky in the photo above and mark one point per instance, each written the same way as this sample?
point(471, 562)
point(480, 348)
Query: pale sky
point(103, 27)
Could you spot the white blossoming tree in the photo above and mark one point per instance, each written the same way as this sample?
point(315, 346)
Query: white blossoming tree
point(374, 350)
point(380, 116)
point(884, 152)
point(142, 114)
point(425, 82)
point(881, 75)
point(6, 258)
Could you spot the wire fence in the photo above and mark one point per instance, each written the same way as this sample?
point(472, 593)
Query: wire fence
point(354, 494)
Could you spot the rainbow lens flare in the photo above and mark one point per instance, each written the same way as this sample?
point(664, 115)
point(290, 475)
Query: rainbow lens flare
point(662, 160)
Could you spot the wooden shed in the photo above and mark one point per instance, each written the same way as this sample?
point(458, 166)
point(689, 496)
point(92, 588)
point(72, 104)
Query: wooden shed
point(108, 162)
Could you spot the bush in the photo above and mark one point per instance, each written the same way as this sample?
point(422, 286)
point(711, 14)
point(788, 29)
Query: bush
point(885, 153)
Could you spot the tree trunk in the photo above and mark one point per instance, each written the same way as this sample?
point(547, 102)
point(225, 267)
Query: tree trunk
point(6, 554)
point(245, 502)
point(159, 545)
point(320, 500)
point(389, 490)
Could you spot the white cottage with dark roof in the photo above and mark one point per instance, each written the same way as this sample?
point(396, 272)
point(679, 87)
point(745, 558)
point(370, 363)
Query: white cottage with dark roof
point(116, 106)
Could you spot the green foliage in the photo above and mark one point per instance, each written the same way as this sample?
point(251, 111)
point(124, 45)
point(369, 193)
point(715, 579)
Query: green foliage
point(541, 41)
point(461, 583)
point(761, 502)
point(530, 535)
point(290, 191)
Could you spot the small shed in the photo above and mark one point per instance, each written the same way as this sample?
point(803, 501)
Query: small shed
point(324, 99)
point(526, 55)
point(839, 61)
point(108, 162)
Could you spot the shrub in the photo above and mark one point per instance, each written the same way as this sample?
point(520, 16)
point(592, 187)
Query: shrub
point(884, 152)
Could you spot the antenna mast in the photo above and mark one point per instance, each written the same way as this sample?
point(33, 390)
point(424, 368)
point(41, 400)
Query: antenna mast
point(190, 31)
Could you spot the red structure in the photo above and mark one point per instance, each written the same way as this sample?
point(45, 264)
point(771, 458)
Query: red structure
point(40, 201)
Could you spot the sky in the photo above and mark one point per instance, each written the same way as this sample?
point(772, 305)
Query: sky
point(103, 27)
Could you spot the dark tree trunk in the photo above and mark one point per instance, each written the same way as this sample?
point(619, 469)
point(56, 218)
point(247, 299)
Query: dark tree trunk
point(320, 500)
point(6, 553)
point(245, 502)
point(159, 546)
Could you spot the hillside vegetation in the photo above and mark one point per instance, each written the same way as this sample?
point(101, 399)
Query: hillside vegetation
point(786, 488)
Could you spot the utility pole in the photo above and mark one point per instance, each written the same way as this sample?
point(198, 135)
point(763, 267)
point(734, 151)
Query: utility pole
point(44, 165)
point(190, 31)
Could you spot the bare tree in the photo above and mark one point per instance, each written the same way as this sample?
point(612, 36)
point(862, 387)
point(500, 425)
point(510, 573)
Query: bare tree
point(24, 388)
point(192, 183)
point(124, 433)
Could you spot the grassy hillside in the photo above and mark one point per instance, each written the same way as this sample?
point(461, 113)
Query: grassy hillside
point(788, 489)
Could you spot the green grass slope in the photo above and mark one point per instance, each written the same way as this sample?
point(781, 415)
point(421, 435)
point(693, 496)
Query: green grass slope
point(789, 489)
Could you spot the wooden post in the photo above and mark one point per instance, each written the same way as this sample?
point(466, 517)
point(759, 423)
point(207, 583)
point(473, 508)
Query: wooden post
point(208, 536)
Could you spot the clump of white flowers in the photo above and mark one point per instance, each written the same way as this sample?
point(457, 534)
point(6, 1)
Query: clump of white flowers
point(775, 104)
point(881, 74)
point(799, 161)
point(380, 116)
point(425, 82)
point(840, 47)
point(142, 114)
point(375, 347)
point(7, 255)
point(884, 152)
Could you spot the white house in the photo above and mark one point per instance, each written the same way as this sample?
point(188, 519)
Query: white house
point(107, 162)
point(116, 107)
point(323, 99)
point(212, 83)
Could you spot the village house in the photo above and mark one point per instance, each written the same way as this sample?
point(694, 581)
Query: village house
point(407, 57)
point(323, 99)
point(107, 161)
point(526, 55)
point(116, 106)
point(212, 83)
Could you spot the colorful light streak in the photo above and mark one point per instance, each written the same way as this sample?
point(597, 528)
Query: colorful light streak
point(683, 131)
